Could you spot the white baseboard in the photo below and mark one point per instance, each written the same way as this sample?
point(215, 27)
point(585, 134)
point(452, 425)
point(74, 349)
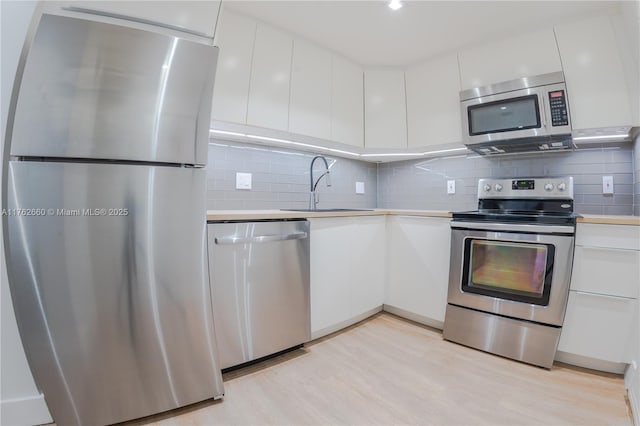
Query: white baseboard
point(632, 383)
point(591, 363)
point(344, 324)
point(414, 317)
point(634, 400)
point(25, 411)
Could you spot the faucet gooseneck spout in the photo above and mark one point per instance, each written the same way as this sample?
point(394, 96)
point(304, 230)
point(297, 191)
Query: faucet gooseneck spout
point(313, 196)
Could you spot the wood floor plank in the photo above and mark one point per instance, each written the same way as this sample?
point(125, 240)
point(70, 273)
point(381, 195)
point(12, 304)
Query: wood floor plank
point(387, 370)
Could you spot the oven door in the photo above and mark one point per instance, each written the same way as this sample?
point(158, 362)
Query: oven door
point(520, 271)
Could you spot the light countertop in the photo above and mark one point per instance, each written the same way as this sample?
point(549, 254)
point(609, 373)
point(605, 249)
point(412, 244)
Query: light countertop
point(609, 219)
point(215, 215)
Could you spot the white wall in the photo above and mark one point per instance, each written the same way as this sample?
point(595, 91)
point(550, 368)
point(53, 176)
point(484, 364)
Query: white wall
point(20, 401)
point(631, 13)
point(632, 375)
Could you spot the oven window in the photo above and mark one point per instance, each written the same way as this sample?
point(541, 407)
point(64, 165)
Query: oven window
point(503, 116)
point(509, 270)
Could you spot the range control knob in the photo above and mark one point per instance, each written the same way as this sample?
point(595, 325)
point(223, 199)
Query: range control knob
point(498, 187)
point(548, 187)
point(562, 186)
point(487, 187)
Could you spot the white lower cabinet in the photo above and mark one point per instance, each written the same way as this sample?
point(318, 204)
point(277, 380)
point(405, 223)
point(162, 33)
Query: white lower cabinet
point(606, 271)
point(347, 270)
point(601, 320)
point(598, 326)
point(418, 267)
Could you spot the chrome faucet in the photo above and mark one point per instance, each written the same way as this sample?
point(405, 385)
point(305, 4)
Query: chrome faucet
point(313, 196)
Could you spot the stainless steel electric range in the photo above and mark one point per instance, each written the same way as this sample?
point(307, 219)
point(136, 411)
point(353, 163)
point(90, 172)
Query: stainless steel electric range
point(510, 268)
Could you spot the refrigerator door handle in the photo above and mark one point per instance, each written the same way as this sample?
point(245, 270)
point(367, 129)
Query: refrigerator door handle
point(260, 238)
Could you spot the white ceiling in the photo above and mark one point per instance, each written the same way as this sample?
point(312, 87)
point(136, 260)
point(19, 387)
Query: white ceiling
point(372, 34)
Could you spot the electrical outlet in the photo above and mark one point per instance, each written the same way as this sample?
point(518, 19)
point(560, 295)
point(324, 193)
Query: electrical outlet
point(607, 184)
point(451, 187)
point(359, 187)
point(243, 180)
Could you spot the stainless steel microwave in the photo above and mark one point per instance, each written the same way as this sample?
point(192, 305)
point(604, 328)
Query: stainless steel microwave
point(523, 115)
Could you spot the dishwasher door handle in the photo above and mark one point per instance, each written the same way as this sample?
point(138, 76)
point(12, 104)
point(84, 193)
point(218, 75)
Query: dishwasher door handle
point(260, 238)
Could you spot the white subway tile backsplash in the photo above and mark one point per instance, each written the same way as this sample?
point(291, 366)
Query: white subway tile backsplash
point(281, 179)
point(586, 166)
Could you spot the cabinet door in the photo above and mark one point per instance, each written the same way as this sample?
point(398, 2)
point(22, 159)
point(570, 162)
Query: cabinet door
point(194, 16)
point(612, 236)
point(433, 103)
point(418, 262)
point(347, 110)
point(598, 95)
point(514, 57)
point(231, 89)
point(606, 271)
point(330, 270)
point(385, 111)
point(367, 243)
point(598, 326)
point(310, 106)
point(270, 76)
point(347, 270)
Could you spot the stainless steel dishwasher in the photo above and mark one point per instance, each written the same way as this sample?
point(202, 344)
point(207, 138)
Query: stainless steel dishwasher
point(259, 274)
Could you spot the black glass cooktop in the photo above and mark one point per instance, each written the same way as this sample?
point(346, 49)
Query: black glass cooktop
point(535, 211)
point(516, 217)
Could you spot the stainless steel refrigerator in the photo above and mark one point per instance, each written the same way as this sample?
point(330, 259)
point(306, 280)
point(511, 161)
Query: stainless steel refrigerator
point(105, 228)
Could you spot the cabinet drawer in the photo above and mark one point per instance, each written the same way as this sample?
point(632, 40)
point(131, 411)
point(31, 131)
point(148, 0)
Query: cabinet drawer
point(598, 326)
point(613, 236)
point(606, 271)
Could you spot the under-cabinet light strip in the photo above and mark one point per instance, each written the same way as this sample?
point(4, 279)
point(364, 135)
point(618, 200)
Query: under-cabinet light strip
point(395, 154)
point(224, 132)
point(596, 137)
point(338, 151)
point(445, 150)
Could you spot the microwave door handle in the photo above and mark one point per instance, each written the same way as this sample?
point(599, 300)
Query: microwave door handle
point(545, 110)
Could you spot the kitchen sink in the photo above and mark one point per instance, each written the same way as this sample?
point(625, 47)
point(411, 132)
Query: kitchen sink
point(327, 210)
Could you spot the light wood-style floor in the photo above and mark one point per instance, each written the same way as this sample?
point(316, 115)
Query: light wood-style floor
point(386, 370)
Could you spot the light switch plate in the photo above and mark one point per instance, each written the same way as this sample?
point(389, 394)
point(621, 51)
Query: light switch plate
point(243, 180)
point(607, 184)
point(451, 187)
point(359, 187)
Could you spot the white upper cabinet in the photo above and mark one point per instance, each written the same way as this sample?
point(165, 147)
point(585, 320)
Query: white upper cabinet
point(514, 57)
point(236, 37)
point(347, 110)
point(270, 79)
point(310, 105)
point(598, 94)
point(433, 102)
point(197, 17)
point(385, 113)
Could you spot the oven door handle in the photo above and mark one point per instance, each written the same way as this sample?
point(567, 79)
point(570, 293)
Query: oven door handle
point(515, 227)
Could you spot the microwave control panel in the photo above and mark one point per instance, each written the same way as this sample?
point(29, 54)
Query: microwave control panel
point(558, 103)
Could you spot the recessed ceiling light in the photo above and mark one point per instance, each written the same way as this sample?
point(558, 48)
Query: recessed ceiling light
point(395, 4)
